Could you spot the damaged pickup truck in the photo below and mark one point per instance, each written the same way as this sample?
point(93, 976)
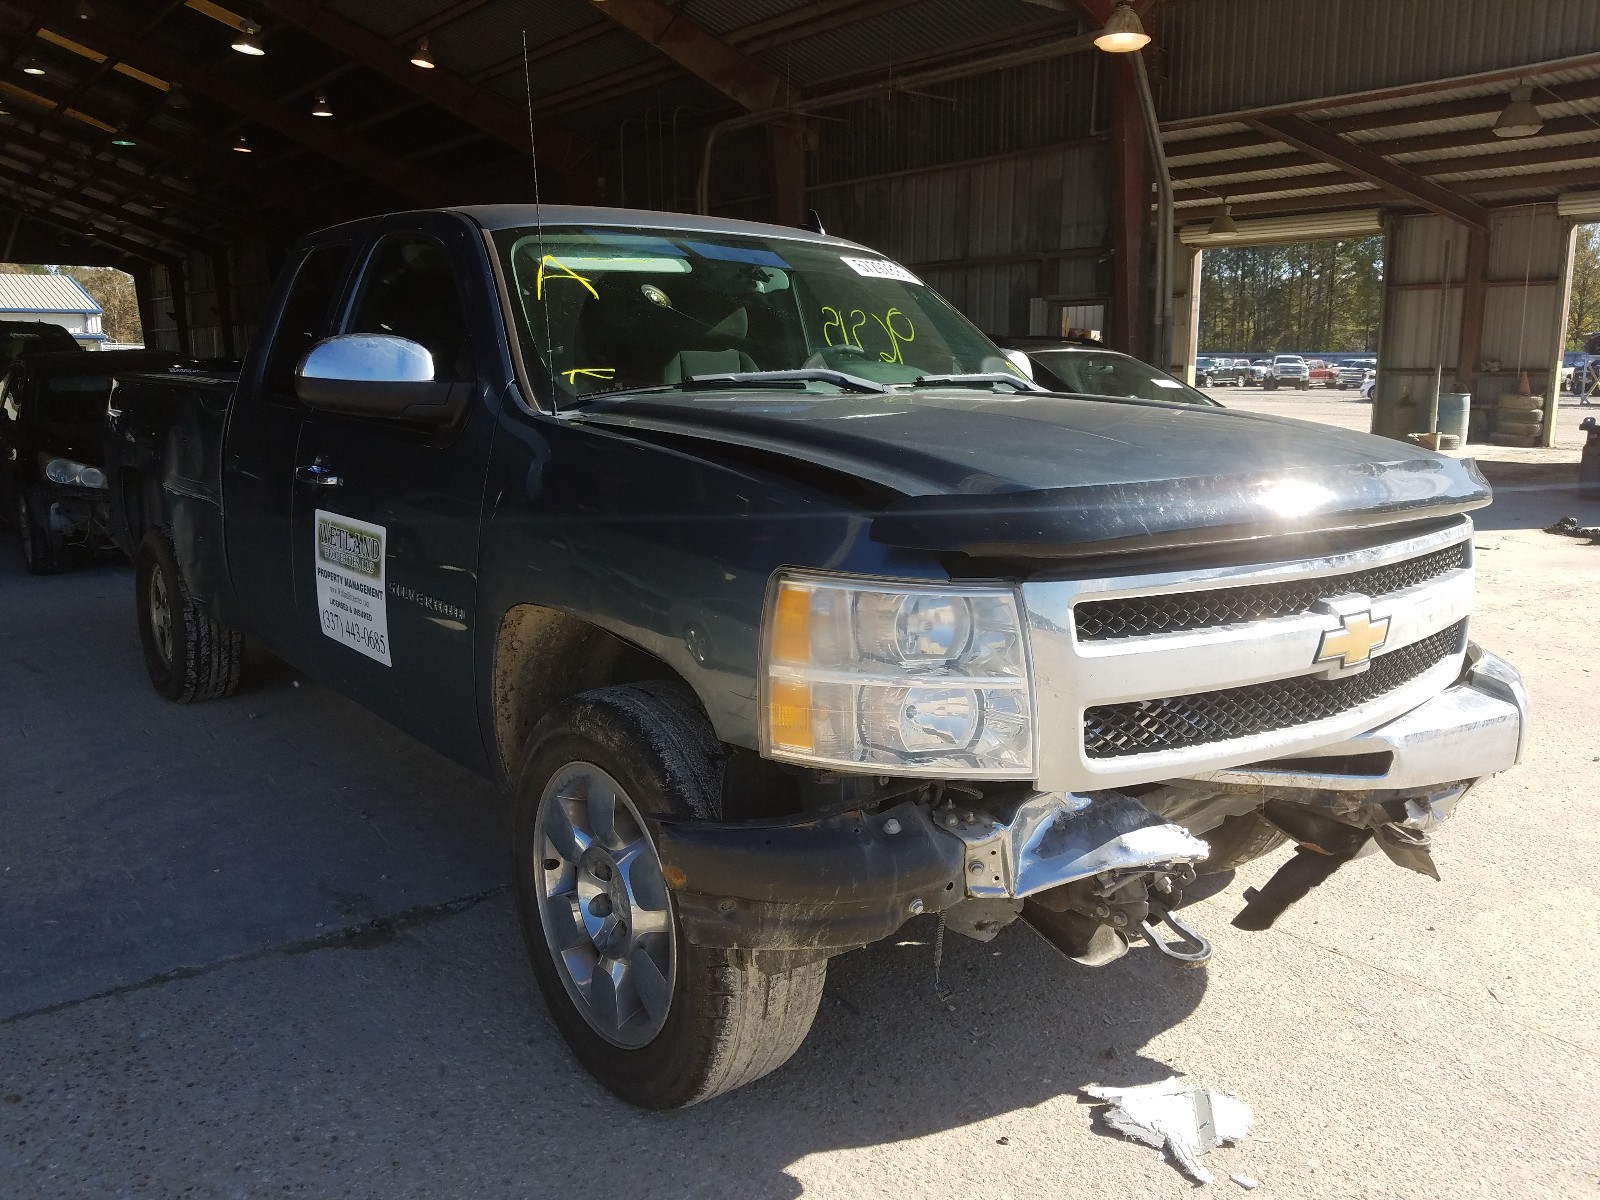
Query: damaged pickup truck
point(788, 609)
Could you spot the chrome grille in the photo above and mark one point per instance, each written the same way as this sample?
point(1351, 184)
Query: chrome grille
point(1174, 612)
point(1176, 722)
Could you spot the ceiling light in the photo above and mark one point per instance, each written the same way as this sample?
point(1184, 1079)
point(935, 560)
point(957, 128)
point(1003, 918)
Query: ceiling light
point(1123, 33)
point(246, 42)
point(1520, 117)
point(123, 139)
point(30, 66)
point(322, 108)
point(242, 144)
point(422, 56)
point(1222, 224)
point(83, 10)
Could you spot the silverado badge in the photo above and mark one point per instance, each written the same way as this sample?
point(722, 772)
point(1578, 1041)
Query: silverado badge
point(1354, 641)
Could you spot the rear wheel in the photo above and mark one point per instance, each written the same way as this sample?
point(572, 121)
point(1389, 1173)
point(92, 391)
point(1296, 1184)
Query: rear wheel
point(44, 551)
point(189, 655)
point(660, 1021)
point(1239, 840)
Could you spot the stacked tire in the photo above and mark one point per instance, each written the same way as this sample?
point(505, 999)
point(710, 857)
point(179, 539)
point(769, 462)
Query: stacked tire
point(1518, 421)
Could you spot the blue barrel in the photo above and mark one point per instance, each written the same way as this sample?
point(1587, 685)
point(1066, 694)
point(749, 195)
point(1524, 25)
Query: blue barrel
point(1455, 412)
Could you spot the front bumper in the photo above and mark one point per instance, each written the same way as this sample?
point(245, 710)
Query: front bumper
point(827, 883)
point(1466, 732)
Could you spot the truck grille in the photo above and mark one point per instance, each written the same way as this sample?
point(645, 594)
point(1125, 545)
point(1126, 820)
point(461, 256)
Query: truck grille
point(1174, 612)
point(1176, 722)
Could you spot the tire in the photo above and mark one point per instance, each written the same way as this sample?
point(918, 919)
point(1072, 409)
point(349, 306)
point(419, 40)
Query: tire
point(1269, 385)
point(189, 655)
point(1239, 840)
point(1524, 428)
point(44, 552)
point(723, 1022)
point(1304, 385)
point(1519, 404)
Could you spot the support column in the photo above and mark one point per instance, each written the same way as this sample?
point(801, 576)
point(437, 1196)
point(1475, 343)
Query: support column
point(788, 153)
point(180, 306)
point(222, 280)
point(1474, 296)
point(1130, 211)
point(143, 282)
point(1185, 310)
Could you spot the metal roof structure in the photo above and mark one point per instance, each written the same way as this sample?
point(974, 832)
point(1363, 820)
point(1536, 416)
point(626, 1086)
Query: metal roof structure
point(133, 129)
point(45, 294)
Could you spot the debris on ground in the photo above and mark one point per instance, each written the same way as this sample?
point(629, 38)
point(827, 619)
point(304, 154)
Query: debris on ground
point(1178, 1117)
point(1570, 527)
point(1246, 1182)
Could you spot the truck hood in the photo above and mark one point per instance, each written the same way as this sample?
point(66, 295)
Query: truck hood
point(1051, 475)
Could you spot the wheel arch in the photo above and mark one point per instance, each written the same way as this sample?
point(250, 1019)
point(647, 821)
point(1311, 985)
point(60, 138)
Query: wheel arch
point(545, 655)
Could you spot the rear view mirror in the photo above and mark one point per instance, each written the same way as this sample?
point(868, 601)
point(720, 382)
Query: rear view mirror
point(1021, 362)
point(376, 375)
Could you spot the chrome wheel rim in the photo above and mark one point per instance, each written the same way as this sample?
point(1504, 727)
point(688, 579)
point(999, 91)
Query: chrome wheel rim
point(603, 905)
point(160, 615)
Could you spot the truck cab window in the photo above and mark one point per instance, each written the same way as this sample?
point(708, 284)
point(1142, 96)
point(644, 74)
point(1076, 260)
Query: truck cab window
point(410, 291)
point(306, 313)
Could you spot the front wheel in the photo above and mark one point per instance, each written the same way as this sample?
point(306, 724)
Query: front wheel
point(189, 655)
point(660, 1021)
point(1238, 840)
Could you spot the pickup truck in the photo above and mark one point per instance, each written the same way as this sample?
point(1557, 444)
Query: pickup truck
point(1323, 372)
point(788, 610)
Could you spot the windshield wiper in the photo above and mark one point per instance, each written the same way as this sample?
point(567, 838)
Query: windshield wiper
point(988, 378)
point(839, 379)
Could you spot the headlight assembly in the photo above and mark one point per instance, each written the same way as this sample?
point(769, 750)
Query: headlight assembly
point(897, 678)
point(72, 474)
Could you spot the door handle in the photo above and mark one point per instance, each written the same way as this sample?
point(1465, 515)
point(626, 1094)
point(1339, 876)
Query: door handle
point(318, 475)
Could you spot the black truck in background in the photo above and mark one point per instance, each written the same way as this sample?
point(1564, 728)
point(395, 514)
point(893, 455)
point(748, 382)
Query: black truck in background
point(789, 609)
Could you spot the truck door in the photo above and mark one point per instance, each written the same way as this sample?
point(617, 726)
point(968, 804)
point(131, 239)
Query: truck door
point(259, 446)
point(387, 514)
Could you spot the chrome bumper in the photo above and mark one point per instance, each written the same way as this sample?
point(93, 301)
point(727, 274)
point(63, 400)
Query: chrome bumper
point(1047, 839)
point(1473, 729)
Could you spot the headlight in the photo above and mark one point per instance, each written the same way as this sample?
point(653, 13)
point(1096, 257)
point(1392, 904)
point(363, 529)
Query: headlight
point(73, 474)
point(897, 679)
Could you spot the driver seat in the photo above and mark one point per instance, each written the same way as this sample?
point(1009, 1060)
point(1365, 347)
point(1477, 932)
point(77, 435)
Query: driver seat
point(706, 362)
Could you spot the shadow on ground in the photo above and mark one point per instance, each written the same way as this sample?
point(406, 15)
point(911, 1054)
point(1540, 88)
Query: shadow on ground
point(179, 1013)
point(1531, 495)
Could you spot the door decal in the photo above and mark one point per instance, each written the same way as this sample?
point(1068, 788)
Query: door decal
point(352, 604)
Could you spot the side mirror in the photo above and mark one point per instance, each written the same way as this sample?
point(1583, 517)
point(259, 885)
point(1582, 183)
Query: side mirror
point(376, 375)
point(1021, 362)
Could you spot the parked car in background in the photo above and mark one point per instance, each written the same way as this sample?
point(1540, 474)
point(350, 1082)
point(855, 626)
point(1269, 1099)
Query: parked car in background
point(18, 338)
point(1202, 371)
point(1356, 372)
point(1287, 370)
point(52, 450)
point(1322, 372)
point(1090, 369)
point(1368, 385)
point(1229, 371)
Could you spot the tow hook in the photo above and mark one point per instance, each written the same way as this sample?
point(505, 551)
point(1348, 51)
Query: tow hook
point(1191, 950)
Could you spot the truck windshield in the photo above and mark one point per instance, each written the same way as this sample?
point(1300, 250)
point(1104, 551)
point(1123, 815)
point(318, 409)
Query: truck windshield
point(1107, 373)
point(605, 310)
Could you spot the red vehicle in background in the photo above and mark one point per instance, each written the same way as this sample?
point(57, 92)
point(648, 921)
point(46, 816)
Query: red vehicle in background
point(1324, 373)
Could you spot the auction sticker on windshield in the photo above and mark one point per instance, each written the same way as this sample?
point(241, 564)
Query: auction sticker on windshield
point(878, 268)
point(352, 604)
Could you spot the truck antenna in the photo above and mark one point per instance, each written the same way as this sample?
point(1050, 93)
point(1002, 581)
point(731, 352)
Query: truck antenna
point(538, 217)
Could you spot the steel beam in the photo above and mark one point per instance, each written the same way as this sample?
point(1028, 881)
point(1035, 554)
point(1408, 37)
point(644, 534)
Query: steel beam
point(1374, 168)
point(702, 54)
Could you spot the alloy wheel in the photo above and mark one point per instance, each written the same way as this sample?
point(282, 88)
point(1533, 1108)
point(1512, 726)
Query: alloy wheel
point(161, 614)
point(603, 905)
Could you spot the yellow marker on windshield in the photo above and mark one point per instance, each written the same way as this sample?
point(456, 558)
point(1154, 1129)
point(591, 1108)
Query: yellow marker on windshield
point(566, 272)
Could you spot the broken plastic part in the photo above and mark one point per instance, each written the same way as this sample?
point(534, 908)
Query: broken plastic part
point(1185, 1120)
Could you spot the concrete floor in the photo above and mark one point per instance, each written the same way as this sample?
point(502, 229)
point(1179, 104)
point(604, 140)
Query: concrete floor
point(263, 947)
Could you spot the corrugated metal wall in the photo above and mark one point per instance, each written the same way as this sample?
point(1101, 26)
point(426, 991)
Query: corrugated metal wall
point(1225, 55)
point(992, 235)
point(252, 265)
point(1524, 310)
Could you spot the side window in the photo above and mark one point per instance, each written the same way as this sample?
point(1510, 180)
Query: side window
point(305, 315)
point(410, 291)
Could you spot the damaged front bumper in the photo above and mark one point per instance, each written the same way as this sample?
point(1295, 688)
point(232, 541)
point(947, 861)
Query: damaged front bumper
point(1089, 871)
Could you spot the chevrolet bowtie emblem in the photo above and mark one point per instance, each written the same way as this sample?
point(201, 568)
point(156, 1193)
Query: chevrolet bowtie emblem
point(1354, 641)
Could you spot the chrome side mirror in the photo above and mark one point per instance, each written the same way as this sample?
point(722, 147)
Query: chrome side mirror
point(376, 375)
